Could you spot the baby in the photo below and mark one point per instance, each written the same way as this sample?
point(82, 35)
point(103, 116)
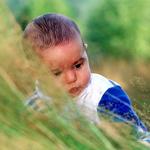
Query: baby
point(58, 42)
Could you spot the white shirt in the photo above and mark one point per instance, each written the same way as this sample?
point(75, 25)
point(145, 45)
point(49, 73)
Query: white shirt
point(88, 100)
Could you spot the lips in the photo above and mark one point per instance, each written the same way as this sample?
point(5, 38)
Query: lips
point(74, 91)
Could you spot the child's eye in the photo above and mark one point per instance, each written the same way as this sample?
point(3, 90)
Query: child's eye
point(78, 65)
point(57, 73)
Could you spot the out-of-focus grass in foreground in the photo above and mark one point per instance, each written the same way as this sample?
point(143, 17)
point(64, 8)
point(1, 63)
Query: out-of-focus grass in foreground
point(24, 129)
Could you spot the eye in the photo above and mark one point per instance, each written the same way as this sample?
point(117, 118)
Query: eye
point(56, 73)
point(78, 65)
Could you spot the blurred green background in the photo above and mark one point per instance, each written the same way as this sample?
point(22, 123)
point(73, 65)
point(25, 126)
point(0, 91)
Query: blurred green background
point(111, 27)
point(118, 37)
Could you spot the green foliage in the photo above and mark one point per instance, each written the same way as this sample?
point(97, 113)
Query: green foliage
point(120, 28)
point(25, 11)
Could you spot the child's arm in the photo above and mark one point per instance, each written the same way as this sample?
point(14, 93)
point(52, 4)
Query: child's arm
point(38, 101)
point(116, 102)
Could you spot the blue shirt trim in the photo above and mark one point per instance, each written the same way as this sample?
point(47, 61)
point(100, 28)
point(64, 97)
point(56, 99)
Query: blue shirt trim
point(115, 101)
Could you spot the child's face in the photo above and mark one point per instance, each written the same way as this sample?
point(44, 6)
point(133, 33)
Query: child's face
point(69, 66)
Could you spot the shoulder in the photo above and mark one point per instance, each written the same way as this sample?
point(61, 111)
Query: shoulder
point(98, 86)
point(114, 93)
point(91, 95)
point(107, 89)
point(101, 83)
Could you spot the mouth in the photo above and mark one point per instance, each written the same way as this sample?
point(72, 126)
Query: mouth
point(74, 91)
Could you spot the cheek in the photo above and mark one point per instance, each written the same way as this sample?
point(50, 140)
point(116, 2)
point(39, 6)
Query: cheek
point(85, 75)
point(58, 81)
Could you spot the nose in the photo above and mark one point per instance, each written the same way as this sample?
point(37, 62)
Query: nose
point(70, 76)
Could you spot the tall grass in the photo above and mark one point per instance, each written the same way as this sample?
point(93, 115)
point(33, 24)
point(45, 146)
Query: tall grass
point(22, 128)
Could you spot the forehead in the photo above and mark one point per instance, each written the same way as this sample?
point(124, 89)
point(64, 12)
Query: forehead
point(63, 54)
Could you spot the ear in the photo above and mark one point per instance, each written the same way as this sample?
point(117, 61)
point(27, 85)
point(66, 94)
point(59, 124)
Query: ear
point(86, 45)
